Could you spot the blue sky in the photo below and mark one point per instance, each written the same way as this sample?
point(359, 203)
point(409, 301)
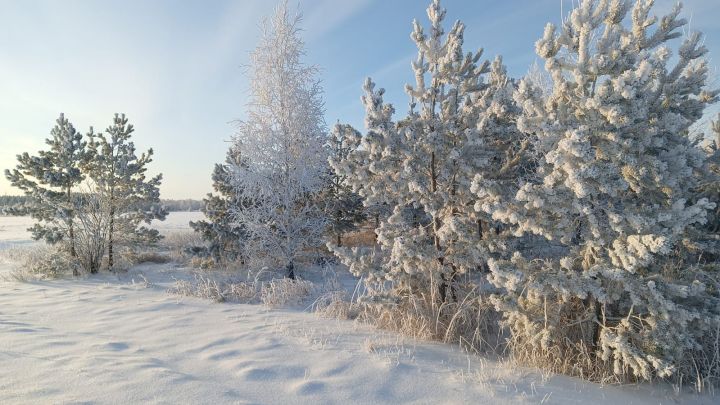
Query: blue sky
point(176, 68)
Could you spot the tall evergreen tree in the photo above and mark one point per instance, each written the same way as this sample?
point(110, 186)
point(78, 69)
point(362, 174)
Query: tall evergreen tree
point(614, 187)
point(460, 123)
point(283, 140)
point(50, 181)
point(119, 176)
point(224, 236)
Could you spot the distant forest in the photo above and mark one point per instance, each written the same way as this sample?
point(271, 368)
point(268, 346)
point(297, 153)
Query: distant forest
point(14, 205)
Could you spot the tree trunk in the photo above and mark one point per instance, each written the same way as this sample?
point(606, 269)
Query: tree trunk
point(111, 230)
point(444, 284)
point(377, 225)
point(71, 231)
point(73, 253)
point(598, 328)
point(290, 270)
point(595, 306)
point(111, 227)
point(339, 240)
point(453, 282)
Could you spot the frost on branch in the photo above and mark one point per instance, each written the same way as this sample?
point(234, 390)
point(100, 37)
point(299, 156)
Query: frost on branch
point(283, 140)
point(615, 185)
point(118, 177)
point(50, 180)
point(459, 134)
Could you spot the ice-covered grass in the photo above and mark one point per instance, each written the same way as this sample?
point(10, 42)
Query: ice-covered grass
point(124, 339)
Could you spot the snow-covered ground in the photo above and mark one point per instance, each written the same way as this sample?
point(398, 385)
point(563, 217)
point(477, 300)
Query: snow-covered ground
point(109, 339)
point(177, 221)
point(13, 231)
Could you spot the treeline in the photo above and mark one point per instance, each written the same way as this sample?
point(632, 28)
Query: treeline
point(12, 205)
point(16, 205)
point(182, 205)
point(572, 212)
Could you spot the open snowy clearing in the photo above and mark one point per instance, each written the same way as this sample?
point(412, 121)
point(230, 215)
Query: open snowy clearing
point(109, 339)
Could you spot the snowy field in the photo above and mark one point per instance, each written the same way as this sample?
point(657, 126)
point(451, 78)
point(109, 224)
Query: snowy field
point(110, 339)
point(13, 231)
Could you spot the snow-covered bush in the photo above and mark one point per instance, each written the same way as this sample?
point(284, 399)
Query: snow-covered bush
point(51, 263)
point(93, 229)
point(614, 188)
point(283, 140)
point(39, 262)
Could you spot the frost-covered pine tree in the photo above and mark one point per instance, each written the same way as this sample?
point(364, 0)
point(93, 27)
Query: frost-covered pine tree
point(224, 237)
point(283, 140)
point(460, 123)
point(50, 181)
point(711, 186)
point(343, 207)
point(119, 176)
point(614, 187)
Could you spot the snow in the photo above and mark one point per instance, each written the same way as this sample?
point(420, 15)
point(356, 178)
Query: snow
point(177, 221)
point(109, 339)
point(13, 231)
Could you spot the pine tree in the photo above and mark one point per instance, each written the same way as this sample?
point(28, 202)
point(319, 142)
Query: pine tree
point(614, 188)
point(711, 186)
point(343, 207)
point(283, 140)
point(119, 177)
point(460, 123)
point(224, 237)
point(50, 181)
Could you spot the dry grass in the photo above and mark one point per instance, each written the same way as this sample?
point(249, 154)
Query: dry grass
point(203, 287)
point(470, 321)
point(574, 359)
point(152, 257)
point(362, 237)
point(572, 353)
point(127, 257)
point(282, 292)
point(38, 262)
point(176, 243)
point(335, 305)
point(273, 293)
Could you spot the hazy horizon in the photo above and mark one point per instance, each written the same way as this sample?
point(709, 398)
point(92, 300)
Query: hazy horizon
point(176, 69)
